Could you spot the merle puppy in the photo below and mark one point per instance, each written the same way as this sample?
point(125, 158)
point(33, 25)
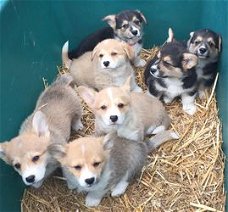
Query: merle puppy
point(172, 74)
point(125, 26)
point(206, 44)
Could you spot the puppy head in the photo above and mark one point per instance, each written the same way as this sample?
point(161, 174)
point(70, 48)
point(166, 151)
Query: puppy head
point(128, 24)
point(111, 54)
point(205, 43)
point(110, 105)
point(85, 158)
point(173, 60)
point(27, 152)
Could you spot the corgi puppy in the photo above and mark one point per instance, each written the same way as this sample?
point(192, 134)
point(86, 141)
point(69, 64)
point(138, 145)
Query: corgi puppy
point(131, 114)
point(98, 165)
point(172, 73)
point(57, 110)
point(108, 64)
point(125, 26)
point(206, 45)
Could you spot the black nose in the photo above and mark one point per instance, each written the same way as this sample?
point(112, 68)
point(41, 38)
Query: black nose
point(106, 63)
point(30, 179)
point(90, 181)
point(134, 32)
point(152, 70)
point(114, 118)
point(202, 50)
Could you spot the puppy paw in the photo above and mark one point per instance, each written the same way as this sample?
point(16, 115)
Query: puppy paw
point(158, 129)
point(167, 100)
point(190, 109)
point(140, 63)
point(92, 201)
point(119, 189)
point(77, 125)
point(202, 95)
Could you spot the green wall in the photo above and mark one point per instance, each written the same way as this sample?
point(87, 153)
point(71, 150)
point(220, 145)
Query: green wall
point(33, 32)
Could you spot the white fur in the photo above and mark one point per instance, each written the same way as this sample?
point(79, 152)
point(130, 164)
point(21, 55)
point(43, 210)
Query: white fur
point(188, 103)
point(158, 129)
point(77, 124)
point(120, 187)
point(85, 174)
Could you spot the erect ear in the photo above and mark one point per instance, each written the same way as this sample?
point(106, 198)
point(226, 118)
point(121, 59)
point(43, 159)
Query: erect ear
point(57, 151)
point(219, 43)
point(3, 154)
point(189, 41)
point(111, 20)
point(189, 61)
point(40, 125)
point(170, 36)
point(127, 84)
point(88, 95)
point(142, 16)
point(129, 51)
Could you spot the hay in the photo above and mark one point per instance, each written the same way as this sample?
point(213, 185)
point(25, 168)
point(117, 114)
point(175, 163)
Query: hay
point(182, 175)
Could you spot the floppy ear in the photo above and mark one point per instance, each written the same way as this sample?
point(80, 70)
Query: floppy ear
point(3, 152)
point(88, 95)
point(57, 151)
point(189, 61)
point(219, 43)
point(111, 20)
point(142, 16)
point(170, 36)
point(129, 51)
point(40, 124)
point(127, 84)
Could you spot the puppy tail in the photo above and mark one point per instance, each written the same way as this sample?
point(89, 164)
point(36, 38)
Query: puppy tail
point(64, 79)
point(65, 59)
point(160, 138)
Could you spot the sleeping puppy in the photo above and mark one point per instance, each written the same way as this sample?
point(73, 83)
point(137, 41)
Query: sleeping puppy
point(125, 26)
point(172, 73)
point(99, 165)
point(131, 114)
point(206, 44)
point(57, 110)
point(108, 65)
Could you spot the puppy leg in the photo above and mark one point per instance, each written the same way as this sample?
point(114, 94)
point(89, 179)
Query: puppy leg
point(167, 99)
point(202, 94)
point(158, 129)
point(77, 124)
point(93, 198)
point(188, 103)
point(120, 187)
point(138, 62)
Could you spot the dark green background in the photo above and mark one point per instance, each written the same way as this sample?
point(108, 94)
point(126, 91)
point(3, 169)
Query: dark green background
point(33, 32)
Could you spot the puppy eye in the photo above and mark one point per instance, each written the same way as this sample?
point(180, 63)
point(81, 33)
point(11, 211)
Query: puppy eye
point(101, 55)
point(96, 164)
point(113, 53)
point(197, 42)
point(137, 22)
point(17, 165)
point(35, 158)
point(125, 26)
point(78, 167)
point(120, 105)
point(103, 107)
point(211, 43)
point(167, 63)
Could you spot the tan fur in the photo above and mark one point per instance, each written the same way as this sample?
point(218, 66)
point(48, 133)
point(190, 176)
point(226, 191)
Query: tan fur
point(88, 69)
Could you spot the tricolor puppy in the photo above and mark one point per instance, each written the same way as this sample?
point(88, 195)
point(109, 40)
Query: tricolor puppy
point(98, 165)
point(172, 73)
point(125, 26)
point(131, 114)
point(58, 109)
point(107, 65)
point(206, 44)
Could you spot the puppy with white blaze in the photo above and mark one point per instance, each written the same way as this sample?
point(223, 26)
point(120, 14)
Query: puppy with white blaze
point(99, 165)
point(131, 114)
point(57, 110)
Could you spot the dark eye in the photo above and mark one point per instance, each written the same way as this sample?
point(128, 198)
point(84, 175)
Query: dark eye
point(103, 107)
point(96, 164)
point(101, 55)
point(113, 53)
point(167, 63)
point(35, 158)
point(120, 105)
point(125, 26)
point(17, 165)
point(210, 44)
point(197, 42)
point(137, 22)
point(78, 167)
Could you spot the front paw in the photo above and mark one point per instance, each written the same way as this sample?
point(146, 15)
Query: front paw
point(167, 100)
point(77, 125)
point(140, 63)
point(92, 201)
point(202, 95)
point(190, 109)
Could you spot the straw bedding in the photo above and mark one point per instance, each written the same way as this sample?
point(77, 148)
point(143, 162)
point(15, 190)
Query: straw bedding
point(182, 175)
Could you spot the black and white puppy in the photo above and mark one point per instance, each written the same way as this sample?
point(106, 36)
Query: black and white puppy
point(172, 74)
point(206, 44)
point(125, 26)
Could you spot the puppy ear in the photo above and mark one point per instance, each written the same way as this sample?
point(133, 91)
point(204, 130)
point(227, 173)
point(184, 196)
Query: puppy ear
point(3, 155)
point(170, 36)
point(58, 151)
point(189, 61)
point(127, 84)
point(142, 16)
point(111, 20)
point(190, 39)
point(40, 124)
point(94, 52)
point(219, 43)
point(88, 95)
point(129, 51)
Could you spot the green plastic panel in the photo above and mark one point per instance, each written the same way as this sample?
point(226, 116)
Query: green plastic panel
point(33, 32)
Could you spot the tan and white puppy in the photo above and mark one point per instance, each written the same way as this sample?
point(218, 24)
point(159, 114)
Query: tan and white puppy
point(107, 65)
point(98, 165)
point(57, 110)
point(131, 114)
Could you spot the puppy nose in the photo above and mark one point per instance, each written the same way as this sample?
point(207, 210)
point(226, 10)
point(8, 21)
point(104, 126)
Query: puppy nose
point(30, 179)
point(153, 70)
point(134, 32)
point(114, 118)
point(106, 63)
point(90, 181)
point(202, 50)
